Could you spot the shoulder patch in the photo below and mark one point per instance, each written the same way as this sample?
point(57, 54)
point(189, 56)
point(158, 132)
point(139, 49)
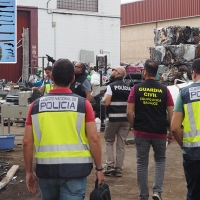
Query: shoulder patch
point(58, 103)
point(194, 93)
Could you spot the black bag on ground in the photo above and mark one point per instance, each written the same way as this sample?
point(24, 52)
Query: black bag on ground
point(100, 192)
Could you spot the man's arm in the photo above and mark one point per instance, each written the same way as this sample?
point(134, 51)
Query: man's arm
point(95, 148)
point(170, 113)
point(28, 148)
point(31, 179)
point(40, 89)
point(176, 130)
point(107, 99)
point(108, 96)
point(130, 113)
point(88, 95)
point(86, 87)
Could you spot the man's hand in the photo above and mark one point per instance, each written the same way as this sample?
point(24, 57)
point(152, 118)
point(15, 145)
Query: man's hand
point(99, 177)
point(34, 88)
point(176, 127)
point(31, 182)
point(170, 138)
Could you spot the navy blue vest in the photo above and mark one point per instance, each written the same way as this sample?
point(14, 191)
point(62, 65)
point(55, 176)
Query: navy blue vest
point(117, 107)
point(150, 107)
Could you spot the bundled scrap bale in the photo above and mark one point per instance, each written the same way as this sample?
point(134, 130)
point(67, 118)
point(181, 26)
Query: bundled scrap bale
point(175, 35)
point(175, 54)
point(176, 47)
point(157, 53)
point(168, 77)
point(181, 72)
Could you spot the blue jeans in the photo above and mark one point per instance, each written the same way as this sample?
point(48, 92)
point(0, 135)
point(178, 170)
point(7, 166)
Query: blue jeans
point(63, 189)
point(192, 175)
point(142, 150)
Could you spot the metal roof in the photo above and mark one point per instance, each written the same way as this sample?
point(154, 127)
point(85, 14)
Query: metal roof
point(158, 10)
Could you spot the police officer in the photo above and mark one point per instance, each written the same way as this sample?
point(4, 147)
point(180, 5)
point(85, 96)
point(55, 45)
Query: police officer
point(81, 84)
point(186, 113)
point(148, 102)
point(116, 99)
point(47, 84)
point(61, 126)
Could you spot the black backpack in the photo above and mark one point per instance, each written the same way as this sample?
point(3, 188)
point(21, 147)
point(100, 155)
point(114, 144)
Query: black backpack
point(100, 192)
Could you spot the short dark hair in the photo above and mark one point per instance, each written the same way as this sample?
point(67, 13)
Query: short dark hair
point(48, 68)
point(196, 66)
point(151, 66)
point(63, 72)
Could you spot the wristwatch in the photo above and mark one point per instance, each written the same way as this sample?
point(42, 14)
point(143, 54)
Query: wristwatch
point(132, 129)
point(99, 169)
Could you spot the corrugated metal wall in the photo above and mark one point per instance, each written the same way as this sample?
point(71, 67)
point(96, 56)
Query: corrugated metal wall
point(12, 72)
point(155, 10)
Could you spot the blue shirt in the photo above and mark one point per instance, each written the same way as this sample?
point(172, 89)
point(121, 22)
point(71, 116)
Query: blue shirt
point(50, 81)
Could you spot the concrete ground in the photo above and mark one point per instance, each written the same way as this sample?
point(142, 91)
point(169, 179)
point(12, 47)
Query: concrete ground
point(123, 188)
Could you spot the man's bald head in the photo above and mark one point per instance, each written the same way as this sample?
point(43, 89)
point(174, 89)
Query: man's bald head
point(121, 71)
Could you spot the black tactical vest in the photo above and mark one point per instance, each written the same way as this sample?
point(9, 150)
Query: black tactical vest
point(150, 107)
point(117, 107)
point(76, 85)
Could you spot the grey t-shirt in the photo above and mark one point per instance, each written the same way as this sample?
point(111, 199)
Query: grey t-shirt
point(86, 85)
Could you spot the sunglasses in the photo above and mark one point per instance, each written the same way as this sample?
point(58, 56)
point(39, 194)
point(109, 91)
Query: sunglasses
point(115, 70)
point(77, 66)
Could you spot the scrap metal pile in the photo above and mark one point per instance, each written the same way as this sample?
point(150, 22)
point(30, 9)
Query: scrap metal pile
point(175, 47)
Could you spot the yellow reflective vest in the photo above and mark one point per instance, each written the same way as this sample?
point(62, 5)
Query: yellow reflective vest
point(61, 145)
point(191, 102)
point(48, 85)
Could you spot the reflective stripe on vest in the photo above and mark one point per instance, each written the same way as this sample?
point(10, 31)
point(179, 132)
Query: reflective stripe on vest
point(64, 160)
point(191, 123)
point(39, 133)
point(62, 147)
point(118, 103)
point(118, 115)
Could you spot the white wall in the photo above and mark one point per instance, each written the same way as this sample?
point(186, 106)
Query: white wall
point(75, 32)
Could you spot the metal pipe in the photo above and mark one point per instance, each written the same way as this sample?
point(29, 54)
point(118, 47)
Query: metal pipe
point(48, 6)
point(55, 42)
point(43, 67)
point(97, 64)
point(5, 16)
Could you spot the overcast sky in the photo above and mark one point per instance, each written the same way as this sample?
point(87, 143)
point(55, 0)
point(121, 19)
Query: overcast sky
point(129, 1)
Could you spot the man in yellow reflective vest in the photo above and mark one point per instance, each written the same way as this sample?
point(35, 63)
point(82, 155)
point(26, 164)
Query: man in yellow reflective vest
point(187, 113)
point(61, 126)
point(47, 84)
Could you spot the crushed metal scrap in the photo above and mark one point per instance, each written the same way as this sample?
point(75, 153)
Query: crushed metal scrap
point(175, 35)
point(175, 54)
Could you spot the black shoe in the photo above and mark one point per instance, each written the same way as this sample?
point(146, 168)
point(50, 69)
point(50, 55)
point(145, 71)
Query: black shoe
point(109, 171)
point(156, 196)
point(117, 174)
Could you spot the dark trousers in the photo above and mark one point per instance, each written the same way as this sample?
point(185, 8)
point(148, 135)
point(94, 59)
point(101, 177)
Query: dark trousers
point(192, 175)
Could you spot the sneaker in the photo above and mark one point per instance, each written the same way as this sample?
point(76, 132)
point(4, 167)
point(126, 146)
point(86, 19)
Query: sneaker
point(109, 171)
point(156, 196)
point(117, 174)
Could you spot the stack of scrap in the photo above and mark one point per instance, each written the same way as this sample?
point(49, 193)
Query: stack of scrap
point(175, 35)
point(175, 54)
point(176, 47)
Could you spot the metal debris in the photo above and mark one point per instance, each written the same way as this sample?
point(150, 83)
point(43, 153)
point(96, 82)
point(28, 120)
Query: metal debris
point(14, 177)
